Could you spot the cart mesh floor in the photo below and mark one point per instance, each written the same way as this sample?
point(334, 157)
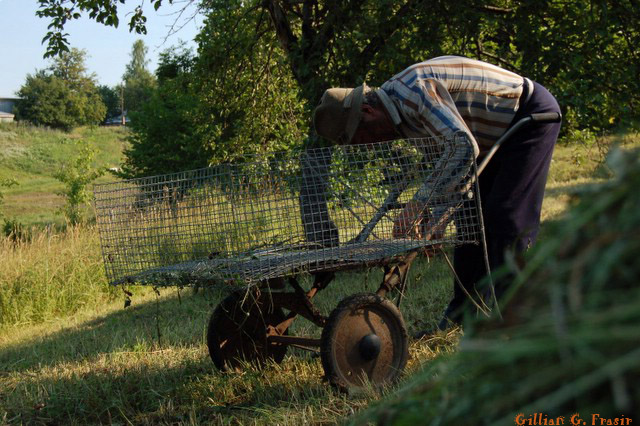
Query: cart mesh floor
point(275, 263)
point(283, 213)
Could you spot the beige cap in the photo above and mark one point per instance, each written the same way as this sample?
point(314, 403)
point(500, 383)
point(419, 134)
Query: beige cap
point(338, 115)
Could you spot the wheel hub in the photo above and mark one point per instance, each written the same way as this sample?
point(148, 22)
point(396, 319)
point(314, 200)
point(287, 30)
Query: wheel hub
point(370, 347)
point(364, 341)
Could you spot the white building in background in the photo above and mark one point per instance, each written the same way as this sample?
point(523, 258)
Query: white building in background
point(6, 109)
point(5, 117)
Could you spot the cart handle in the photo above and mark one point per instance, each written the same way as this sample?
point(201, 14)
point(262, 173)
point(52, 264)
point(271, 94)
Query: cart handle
point(390, 202)
point(544, 117)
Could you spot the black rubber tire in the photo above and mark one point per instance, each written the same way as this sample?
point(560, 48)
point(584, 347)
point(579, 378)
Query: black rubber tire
point(237, 330)
point(354, 318)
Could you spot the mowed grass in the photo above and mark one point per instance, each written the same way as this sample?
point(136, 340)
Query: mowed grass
point(148, 364)
point(70, 353)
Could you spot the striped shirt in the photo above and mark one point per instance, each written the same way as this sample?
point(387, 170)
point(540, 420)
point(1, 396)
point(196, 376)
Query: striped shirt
point(447, 95)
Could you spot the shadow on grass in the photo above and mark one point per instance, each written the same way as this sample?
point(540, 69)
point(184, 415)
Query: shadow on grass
point(190, 389)
point(113, 369)
point(167, 321)
point(117, 368)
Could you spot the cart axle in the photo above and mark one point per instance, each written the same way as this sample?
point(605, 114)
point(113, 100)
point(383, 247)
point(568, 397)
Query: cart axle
point(306, 343)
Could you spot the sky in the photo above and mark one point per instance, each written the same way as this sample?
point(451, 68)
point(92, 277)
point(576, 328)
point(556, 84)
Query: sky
point(108, 48)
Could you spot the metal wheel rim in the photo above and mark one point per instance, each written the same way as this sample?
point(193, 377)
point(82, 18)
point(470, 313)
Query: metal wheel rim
point(353, 323)
point(238, 329)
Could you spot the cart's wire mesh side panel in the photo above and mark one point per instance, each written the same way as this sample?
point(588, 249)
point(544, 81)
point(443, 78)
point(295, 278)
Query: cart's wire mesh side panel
point(303, 211)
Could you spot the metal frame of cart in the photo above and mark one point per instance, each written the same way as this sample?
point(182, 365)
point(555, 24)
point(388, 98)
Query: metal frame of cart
point(260, 223)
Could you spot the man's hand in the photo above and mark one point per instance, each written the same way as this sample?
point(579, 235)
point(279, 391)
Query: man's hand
point(407, 224)
point(415, 222)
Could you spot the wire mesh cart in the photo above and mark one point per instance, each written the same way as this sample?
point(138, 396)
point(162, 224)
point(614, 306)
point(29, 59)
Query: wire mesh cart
point(261, 223)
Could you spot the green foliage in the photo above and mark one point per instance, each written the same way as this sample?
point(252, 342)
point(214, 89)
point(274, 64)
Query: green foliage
point(251, 102)
point(263, 65)
point(63, 96)
point(138, 81)
point(76, 175)
point(61, 12)
point(163, 132)
point(111, 99)
point(230, 100)
point(43, 100)
point(586, 53)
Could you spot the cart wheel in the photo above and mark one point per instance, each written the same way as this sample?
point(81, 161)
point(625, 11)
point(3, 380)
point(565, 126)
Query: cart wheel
point(365, 340)
point(238, 330)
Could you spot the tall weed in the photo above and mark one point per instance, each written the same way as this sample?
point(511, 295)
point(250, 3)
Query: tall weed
point(51, 275)
point(76, 175)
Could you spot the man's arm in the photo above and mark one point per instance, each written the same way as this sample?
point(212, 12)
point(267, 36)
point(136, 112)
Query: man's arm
point(429, 105)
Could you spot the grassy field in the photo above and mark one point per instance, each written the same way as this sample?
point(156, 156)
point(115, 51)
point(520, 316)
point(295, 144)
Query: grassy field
point(71, 354)
point(32, 155)
point(148, 364)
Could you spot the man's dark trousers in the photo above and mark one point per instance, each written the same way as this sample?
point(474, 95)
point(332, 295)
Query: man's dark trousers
point(511, 189)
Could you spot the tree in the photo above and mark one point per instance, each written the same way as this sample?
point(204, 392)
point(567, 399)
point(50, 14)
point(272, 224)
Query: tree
point(138, 81)
point(111, 99)
point(586, 52)
point(230, 100)
point(62, 96)
point(163, 131)
point(43, 100)
point(250, 102)
point(61, 12)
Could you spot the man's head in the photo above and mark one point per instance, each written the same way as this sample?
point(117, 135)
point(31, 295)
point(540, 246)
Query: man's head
point(352, 116)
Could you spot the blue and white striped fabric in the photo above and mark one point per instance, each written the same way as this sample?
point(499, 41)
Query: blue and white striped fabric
point(448, 94)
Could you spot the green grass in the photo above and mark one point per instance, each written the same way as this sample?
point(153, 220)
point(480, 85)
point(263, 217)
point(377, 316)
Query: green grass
point(148, 364)
point(32, 155)
point(50, 276)
point(70, 353)
point(569, 342)
point(575, 165)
